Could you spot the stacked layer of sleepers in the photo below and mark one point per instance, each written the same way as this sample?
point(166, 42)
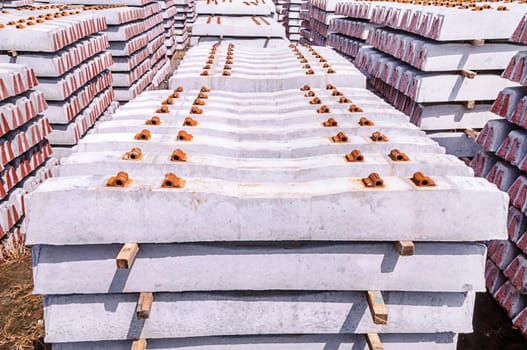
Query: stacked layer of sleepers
point(428, 63)
point(302, 214)
point(237, 20)
point(503, 161)
point(321, 14)
point(169, 23)
point(292, 21)
point(68, 54)
point(182, 26)
point(25, 154)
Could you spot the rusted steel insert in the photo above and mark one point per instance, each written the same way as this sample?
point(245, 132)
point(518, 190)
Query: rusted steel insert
point(340, 137)
point(330, 122)
point(119, 180)
point(196, 110)
point(373, 180)
point(315, 101)
point(204, 89)
point(330, 87)
point(421, 180)
point(355, 156)
point(398, 156)
point(163, 109)
point(204, 73)
point(143, 135)
point(199, 102)
point(182, 135)
point(365, 122)
point(203, 96)
point(190, 122)
point(310, 72)
point(153, 121)
point(309, 94)
point(355, 109)
point(305, 88)
point(178, 156)
point(172, 181)
point(134, 154)
point(344, 99)
point(324, 109)
point(378, 137)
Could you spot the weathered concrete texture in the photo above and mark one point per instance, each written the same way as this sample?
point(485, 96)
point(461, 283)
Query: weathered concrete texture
point(432, 117)
point(102, 317)
point(264, 211)
point(456, 143)
point(187, 267)
point(437, 341)
point(260, 169)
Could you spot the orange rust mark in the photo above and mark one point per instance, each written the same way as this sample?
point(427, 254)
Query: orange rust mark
point(196, 110)
point(198, 102)
point(182, 135)
point(189, 122)
point(309, 94)
point(143, 135)
point(310, 72)
point(153, 121)
point(421, 180)
point(330, 123)
point(163, 109)
point(209, 19)
point(323, 109)
point(204, 89)
point(355, 109)
point(120, 180)
point(255, 20)
point(373, 180)
point(378, 137)
point(134, 154)
point(315, 101)
point(398, 156)
point(355, 156)
point(218, 20)
point(344, 99)
point(305, 88)
point(366, 122)
point(178, 156)
point(340, 137)
point(172, 181)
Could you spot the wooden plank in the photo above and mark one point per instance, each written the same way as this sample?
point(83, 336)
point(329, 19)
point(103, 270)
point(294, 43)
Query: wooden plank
point(126, 256)
point(378, 309)
point(139, 344)
point(144, 305)
point(374, 342)
point(471, 133)
point(470, 104)
point(469, 74)
point(477, 42)
point(405, 248)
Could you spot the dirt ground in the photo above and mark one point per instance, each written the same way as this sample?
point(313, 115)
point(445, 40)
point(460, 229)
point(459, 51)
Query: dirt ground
point(21, 326)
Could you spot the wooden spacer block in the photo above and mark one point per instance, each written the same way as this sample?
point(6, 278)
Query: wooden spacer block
point(127, 255)
point(469, 74)
point(405, 248)
point(144, 305)
point(374, 342)
point(378, 309)
point(470, 104)
point(477, 42)
point(139, 344)
point(471, 133)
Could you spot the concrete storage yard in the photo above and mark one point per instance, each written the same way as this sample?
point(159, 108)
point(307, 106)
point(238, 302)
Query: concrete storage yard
point(209, 175)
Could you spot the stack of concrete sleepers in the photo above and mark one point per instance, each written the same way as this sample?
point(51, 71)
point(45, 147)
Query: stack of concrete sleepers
point(305, 27)
point(169, 22)
point(503, 161)
point(237, 20)
point(289, 218)
point(442, 73)
point(182, 27)
point(67, 53)
point(25, 154)
point(321, 14)
point(292, 20)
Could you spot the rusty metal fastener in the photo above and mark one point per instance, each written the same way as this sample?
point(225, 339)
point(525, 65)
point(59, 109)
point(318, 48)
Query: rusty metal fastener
point(309, 94)
point(306, 66)
point(172, 181)
point(326, 65)
point(202, 96)
point(143, 135)
point(179, 89)
point(229, 61)
point(120, 180)
point(182, 135)
point(229, 57)
point(204, 73)
point(340, 137)
point(175, 94)
point(330, 87)
point(322, 59)
point(226, 73)
point(331, 71)
point(199, 102)
point(134, 154)
point(355, 109)
point(335, 92)
point(227, 67)
point(330, 122)
point(366, 122)
point(196, 110)
point(378, 137)
point(323, 109)
point(168, 101)
point(355, 156)
point(344, 99)
point(211, 57)
point(310, 72)
point(163, 109)
point(315, 101)
point(305, 88)
point(206, 67)
point(178, 156)
point(303, 61)
point(422, 180)
point(153, 121)
point(204, 89)
point(209, 62)
point(373, 180)
point(398, 156)
point(189, 122)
